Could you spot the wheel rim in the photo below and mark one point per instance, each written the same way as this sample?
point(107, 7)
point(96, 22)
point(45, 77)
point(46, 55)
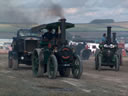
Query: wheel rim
point(9, 62)
point(117, 63)
point(96, 64)
point(76, 67)
point(35, 64)
point(51, 67)
point(99, 62)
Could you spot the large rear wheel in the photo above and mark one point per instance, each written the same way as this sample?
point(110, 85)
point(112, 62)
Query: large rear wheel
point(121, 63)
point(37, 66)
point(77, 68)
point(96, 63)
point(99, 62)
point(52, 67)
point(117, 64)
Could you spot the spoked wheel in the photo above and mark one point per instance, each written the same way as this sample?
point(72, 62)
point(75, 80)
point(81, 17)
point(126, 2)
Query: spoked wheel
point(121, 63)
point(52, 67)
point(117, 64)
point(77, 68)
point(99, 62)
point(64, 72)
point(36, 63)
point(41, 63)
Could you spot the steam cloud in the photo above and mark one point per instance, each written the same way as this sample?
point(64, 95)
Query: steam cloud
point(10, 12)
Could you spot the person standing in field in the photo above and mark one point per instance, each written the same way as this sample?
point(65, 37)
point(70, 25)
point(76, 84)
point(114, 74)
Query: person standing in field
point(103, 39)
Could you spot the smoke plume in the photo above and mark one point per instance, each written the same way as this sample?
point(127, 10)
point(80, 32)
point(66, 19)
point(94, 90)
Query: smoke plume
point(11, 11)
point(56, 10)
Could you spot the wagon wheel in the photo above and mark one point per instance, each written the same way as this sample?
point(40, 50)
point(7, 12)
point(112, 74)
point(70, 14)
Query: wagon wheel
point(77, 68)
point(52, 67)
point(99, 62)
point(64, 72)
point(117, 64)
point(37, 67)
point(9, 61)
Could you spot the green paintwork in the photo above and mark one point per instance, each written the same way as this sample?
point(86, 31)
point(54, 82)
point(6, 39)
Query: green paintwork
point(44, 43)
point(47, 53)
point(57, 24)
point(35, 64)
point(52, 26)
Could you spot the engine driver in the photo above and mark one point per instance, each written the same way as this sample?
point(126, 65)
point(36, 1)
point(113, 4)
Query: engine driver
point(48, 35)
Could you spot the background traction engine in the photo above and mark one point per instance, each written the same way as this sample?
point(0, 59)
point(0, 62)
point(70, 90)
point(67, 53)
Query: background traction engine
point(109, 54)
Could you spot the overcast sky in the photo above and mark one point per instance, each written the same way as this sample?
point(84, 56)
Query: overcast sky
point(76, 11)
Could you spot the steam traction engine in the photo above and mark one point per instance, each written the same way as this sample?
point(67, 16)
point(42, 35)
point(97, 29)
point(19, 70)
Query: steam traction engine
point(109, 54)
point(55, 55)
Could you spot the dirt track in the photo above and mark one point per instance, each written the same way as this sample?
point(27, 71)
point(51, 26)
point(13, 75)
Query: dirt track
point(93, 83)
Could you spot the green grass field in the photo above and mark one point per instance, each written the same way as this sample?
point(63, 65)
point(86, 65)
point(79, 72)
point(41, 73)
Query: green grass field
point(77, 28)
point(12, 27)
point(8, 30)
point(97, 28)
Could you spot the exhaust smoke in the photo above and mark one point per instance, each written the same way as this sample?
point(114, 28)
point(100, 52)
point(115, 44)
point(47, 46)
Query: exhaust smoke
point(57, 11)
point(40, 12)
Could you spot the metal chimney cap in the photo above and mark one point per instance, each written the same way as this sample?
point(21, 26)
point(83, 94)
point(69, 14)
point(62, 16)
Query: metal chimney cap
point(109, 26)
point(62, 19)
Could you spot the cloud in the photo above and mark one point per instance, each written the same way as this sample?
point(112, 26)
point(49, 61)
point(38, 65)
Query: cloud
point(13, 11)
point(41, 11)
point(72, 3)
point(90, 14)
point(71, 10)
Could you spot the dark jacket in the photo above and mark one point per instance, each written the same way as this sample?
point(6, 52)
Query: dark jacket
point(48, 35)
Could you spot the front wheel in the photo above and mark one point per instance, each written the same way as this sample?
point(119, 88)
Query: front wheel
point(52, 67)
point(77, 68)
point(9, 60)
point(117, 64)
point(99, 62)
point(15, 64)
